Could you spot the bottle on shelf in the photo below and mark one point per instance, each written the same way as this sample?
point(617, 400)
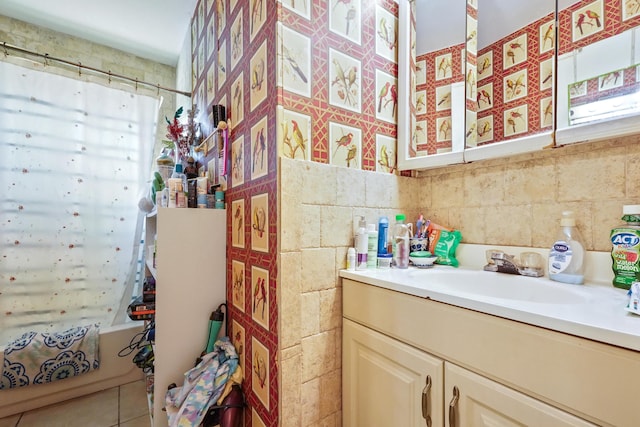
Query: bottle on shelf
point(177, 188)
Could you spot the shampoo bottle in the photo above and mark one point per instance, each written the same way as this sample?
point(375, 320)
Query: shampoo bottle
point(362, 243)
point(566, 258)
point(383, 235)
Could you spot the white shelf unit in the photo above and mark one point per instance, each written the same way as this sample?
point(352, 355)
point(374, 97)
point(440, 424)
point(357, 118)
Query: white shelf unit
point(190, 284)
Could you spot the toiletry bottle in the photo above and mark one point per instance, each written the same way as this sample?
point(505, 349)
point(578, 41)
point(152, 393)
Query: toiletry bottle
point(401, 236)
point(178, 187)
point(625, 248)
point(383, 234)
point(372, 246)
point(566, 258)
point(362, 243)
point(351, 259)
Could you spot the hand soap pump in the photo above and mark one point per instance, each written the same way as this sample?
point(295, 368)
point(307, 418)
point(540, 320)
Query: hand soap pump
point(566, 258)
point(362, 242)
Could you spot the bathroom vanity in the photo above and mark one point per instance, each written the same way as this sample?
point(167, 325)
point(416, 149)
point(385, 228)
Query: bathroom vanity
point(419, 350)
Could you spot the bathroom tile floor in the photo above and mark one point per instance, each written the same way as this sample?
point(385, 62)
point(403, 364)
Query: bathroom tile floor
point(124, 406)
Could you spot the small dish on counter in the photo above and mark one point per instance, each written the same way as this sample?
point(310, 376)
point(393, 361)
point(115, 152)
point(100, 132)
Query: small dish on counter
point(422, 259)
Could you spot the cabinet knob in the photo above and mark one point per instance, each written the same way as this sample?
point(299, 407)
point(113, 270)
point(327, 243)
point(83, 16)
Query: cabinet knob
point(426, 409)
point(453, 407)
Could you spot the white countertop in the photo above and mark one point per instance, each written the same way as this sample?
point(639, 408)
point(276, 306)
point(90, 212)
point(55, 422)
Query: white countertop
point(594, 310)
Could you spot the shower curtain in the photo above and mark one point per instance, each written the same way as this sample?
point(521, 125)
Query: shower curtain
point(75, 158)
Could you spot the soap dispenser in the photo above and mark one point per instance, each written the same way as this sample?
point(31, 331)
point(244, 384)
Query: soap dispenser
point(566, 258)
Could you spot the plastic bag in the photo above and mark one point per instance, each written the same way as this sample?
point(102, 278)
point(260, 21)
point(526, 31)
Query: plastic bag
point(443, 243)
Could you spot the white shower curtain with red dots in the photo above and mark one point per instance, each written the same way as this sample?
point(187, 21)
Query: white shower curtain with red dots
point(75, 158)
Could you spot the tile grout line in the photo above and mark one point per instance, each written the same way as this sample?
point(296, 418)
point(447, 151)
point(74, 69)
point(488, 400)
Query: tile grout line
point(119, 391)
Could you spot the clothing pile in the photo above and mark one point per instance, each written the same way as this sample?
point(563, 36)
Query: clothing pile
point(205, 386)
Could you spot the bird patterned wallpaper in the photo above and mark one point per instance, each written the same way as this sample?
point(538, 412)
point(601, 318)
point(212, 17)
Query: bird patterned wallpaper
point(515, 84)
point(304, 79)
point(435, 73)
point(514, 89)
point(587, 22)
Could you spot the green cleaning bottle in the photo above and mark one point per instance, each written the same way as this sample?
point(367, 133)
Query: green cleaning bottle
point(625, 248)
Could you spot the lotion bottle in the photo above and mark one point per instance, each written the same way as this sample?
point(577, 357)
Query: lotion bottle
point(566, 258)
point(351, 259)
point(362, 243)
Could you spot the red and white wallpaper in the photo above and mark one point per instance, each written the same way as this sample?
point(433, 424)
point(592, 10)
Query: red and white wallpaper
point(515, 84)
point(435, 72)
point(587, 22)
point(338, 101)
point(307, 79)
point(514, 93)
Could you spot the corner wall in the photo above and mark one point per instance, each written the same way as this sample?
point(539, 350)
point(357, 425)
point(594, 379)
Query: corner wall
point(318, 206)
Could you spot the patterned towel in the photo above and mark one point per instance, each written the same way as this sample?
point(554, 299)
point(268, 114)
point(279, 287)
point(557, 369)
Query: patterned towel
point(39, 358)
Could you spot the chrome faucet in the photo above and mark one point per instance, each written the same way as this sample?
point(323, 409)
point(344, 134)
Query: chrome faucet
point(502, 262)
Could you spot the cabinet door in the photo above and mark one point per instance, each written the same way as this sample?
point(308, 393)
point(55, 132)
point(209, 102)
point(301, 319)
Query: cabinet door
point(388, 383)
point(476, 401)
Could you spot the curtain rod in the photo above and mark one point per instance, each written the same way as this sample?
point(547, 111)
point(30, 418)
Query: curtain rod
point(48, 57)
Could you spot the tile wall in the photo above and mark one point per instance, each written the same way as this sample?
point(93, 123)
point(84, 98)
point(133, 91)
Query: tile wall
point(320, 216)
point(519, 200)
point(513, 201)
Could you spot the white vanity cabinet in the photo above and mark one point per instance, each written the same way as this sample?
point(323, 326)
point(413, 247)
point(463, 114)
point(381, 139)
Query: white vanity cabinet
point(503, 372)
point(387, 382)
point(473, 400)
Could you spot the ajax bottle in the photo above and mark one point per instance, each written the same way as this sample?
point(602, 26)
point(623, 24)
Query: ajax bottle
point(566, 258)
point(625, 248)
point(401, 236)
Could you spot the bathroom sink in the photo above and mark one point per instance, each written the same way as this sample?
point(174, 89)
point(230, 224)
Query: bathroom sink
point(483, 284)
point(594, 310)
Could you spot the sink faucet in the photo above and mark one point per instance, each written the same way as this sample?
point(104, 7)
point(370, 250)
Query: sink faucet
point(504, 263)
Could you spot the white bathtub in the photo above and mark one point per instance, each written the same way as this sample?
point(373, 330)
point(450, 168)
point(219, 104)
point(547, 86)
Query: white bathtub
point(113, 371)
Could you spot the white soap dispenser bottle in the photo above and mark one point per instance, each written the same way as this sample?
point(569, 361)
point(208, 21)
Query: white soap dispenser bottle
point(566, 258)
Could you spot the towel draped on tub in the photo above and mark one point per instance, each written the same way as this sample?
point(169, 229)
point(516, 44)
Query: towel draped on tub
point(39, 358)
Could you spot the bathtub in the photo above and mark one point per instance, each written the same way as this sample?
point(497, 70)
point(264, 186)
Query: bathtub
point(113, 371)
